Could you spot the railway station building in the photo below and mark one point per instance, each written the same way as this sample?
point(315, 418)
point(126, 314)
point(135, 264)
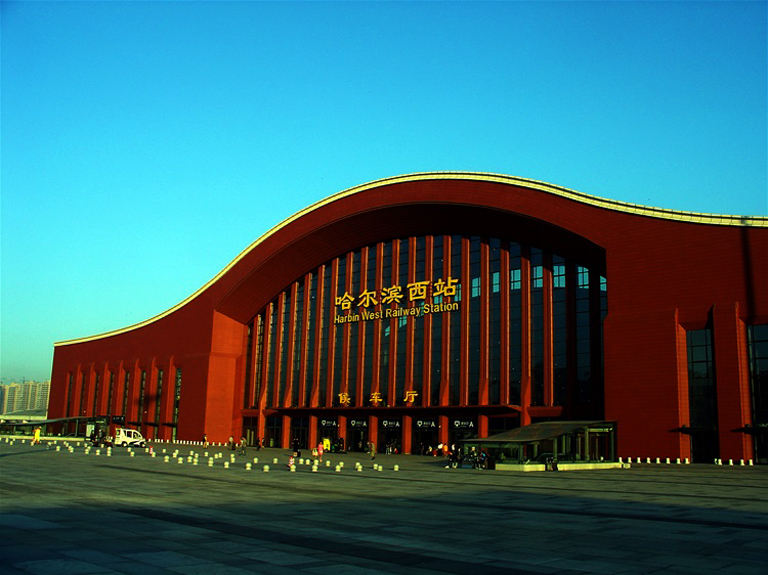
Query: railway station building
point(435, 307)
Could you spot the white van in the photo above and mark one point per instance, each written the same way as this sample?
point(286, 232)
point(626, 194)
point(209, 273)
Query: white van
point(126, 437)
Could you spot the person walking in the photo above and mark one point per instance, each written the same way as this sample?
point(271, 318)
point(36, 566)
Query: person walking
point(372, 450)
point(36, 436)
point(205, 440)
point(243, 445)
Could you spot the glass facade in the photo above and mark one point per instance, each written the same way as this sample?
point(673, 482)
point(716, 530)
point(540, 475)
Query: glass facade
point(702, 396)
point(758, 376)
point(431, 321)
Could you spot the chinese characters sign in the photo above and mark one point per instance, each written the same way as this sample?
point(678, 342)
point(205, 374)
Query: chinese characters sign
point(396, 295)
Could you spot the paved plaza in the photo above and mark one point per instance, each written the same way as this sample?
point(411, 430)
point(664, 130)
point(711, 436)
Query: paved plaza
point(71, 512)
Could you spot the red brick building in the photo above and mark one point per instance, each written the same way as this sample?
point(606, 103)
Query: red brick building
point(431, 307)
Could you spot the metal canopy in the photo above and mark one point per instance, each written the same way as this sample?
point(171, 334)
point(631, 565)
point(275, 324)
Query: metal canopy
point(540, 431)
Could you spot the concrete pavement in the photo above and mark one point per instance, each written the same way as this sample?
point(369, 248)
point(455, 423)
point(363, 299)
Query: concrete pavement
point(67, 512)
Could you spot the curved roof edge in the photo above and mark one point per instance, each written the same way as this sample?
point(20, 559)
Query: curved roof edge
point(616, 205)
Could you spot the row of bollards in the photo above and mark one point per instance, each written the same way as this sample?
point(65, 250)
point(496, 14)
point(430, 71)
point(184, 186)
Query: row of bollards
point(193, 458)
point(686, 461)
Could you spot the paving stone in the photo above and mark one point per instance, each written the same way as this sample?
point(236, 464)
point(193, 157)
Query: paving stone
point(141, 516)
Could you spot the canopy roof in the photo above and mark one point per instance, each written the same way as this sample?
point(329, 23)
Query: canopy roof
point(540, 431)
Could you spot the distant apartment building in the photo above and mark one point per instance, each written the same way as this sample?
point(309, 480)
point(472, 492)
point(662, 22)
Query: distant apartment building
point(24, 396)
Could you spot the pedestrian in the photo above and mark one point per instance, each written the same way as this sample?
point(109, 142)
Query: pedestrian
point(231, 443)
point(320, 451)
point(36, 436)
point(205, 440)
point(258, 443)
point(243, 445)
point(372, 449)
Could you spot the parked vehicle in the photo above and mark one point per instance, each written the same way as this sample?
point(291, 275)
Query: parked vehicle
point(129, 437)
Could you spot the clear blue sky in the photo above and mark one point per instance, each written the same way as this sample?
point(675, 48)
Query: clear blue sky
point(145, 144)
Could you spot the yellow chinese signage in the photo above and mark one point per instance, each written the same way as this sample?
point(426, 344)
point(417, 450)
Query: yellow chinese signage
point(414, 292)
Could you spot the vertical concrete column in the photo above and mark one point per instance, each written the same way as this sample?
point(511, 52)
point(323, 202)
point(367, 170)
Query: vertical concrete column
point(313, 436)
point(482, 426)
point(286, 436)
point(444, 425)
point(342, 430)
point(407, 433)
point(373, 431)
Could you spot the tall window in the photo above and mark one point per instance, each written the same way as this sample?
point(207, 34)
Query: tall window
point(583, 336)
point(110, 392)
point(537, 327)
point(159, 395)
point(494, 323)
point(702, 396)
point(83, 393)
point(176, 401)
point(559, 331)
point(297, 344)
point(515, 324)
point(95, 410)
point(758, 376)
point(475, 303)
point(310, 351)
point(142, 397)
point(70, 388)
point(126, 389)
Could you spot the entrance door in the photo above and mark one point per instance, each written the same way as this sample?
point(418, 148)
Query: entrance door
point(357, 439)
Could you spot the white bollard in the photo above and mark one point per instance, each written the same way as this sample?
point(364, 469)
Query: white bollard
point(247, 466)
point(210, 462)
point(338, 469)
point(255, 459)
point(667, 460)
point(274, 461)
point(620, 461)
point(741, 462)
point(314, 469)
point(341, 463)
point(687, 461)
point(226, 465)
point(647, 459)
point(180, 460)
point(133, 454)
point(328, 463)
point(293, 469)
point(58, 447)
point(397, 468)
point(730, 462)
point(750, 463)
point(658, 460)
point(266, 469)
point(380, 468)
point(166, 459)
point(677, 461)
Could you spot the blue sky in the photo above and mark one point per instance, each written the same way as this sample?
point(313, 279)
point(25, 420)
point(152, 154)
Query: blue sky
point(145, 144)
